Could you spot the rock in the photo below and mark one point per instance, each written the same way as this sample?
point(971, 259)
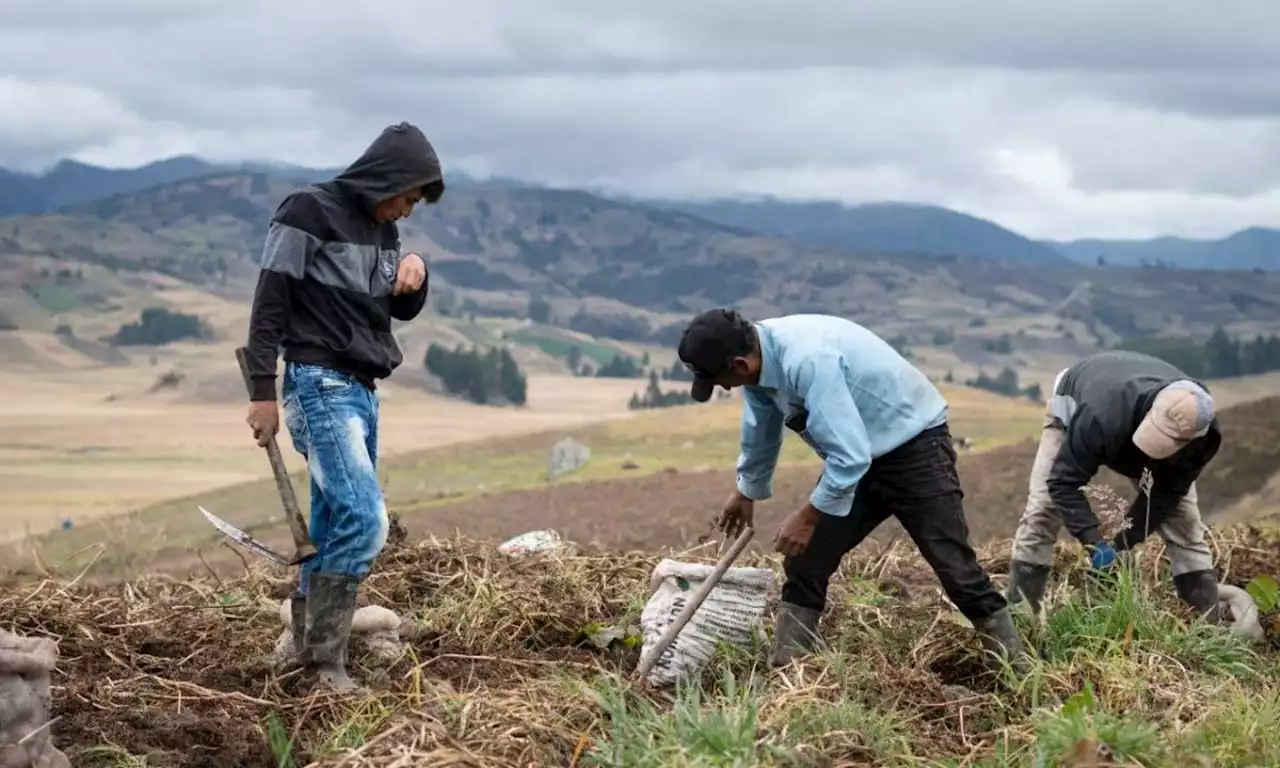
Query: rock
point(25, 738)
point(567, 455)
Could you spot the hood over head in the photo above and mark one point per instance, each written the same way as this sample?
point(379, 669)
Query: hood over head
point(399, 160)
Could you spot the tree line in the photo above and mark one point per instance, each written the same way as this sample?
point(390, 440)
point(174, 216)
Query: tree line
point(1003, 383)
point(157, 325)
point(1221, 356)
point(654, 397)
point(482, 377)
point(620, 366)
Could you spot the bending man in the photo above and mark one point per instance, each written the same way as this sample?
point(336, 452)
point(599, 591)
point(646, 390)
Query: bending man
point(881, 429)
point(1137, 415)
point(333, 278)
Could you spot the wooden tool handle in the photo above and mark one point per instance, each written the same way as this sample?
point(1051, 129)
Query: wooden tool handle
point(303, 548)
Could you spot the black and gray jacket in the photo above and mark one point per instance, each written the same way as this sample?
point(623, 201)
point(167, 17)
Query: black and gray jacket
point(328, 268)
point(1101, 400)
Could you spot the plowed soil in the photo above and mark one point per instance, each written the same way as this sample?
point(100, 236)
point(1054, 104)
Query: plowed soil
point(674, 508)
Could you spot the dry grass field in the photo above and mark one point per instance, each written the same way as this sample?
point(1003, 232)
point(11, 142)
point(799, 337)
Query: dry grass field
point(93, 442)
point(431, 459)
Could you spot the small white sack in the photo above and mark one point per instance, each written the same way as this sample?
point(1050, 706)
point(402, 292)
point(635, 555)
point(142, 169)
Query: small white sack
point(731, 614)
point(379, 626)
point(1244, 612)
point(531, 542)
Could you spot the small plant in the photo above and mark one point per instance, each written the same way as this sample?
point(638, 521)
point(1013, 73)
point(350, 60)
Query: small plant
point(1082, 734)
point(353, 731)
point(280, 741)
point(719, 731)
point(1265, 591)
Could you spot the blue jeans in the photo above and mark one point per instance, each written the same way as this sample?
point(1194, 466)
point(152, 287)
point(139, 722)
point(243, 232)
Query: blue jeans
point(333, 421)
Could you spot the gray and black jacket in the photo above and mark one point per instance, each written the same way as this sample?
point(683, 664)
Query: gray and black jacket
point(328, 268)
point(1101, 400)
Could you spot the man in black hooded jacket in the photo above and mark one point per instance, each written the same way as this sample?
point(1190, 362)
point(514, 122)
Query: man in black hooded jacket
point(332, 279)
point(1146, 420)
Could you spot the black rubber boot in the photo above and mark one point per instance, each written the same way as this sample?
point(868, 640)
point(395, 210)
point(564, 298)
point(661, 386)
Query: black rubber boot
point(1027, 580)
point(298, 622)
point(1199, 589)
point(999, 636)
point(795, 633)
point(331, 604)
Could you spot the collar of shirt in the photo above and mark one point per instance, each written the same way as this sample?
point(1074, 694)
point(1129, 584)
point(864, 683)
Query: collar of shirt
point(771, 377)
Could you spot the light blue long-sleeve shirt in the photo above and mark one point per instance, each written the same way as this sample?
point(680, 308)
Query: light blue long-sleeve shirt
point(862, 400)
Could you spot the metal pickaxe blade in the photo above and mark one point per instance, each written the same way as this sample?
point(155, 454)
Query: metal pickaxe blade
point(297, 601)
point(247, 541)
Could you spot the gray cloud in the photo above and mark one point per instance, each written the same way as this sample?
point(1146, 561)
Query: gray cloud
point(1060, 119)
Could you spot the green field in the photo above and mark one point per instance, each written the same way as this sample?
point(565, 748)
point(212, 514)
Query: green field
point(559, 346)
point(53, 298)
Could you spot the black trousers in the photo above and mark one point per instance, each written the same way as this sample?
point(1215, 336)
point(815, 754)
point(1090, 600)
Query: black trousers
point(918, 484)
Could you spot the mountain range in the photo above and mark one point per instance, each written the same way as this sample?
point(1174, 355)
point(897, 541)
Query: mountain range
point(882, 227)
point(605, 268)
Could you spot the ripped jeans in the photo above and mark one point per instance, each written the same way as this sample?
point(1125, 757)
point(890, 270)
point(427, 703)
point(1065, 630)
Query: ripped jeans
point(333, 421)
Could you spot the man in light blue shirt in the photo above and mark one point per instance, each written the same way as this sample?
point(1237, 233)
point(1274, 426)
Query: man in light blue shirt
point(880, 427)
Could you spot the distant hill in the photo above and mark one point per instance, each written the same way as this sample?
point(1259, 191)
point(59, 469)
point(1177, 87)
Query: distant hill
point(617, 270)
point(71, 183)
point(878, 227)
point(888, 227)
point(1252, 248)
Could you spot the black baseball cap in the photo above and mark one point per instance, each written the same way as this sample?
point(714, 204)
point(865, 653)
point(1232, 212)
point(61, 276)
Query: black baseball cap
point(708, 346)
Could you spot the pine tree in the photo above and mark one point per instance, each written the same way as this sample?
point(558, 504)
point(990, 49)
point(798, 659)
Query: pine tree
point(1222, 354)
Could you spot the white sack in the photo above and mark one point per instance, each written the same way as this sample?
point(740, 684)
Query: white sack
point(378, 626)
point(25, 701)
point(532, 542)
point(1244, 612)
point(731, 614)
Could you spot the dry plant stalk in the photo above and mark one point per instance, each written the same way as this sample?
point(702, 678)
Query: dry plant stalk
point(1111, 508)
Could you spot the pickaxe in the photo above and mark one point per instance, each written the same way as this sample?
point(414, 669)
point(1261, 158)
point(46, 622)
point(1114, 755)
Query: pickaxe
point(303, 548)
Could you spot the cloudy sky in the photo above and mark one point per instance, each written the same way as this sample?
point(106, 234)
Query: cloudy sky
point(1059, 118)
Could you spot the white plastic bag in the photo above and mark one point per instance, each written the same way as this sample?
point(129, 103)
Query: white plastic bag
point(532, 541)
point(731, 614)
point(1244, 612)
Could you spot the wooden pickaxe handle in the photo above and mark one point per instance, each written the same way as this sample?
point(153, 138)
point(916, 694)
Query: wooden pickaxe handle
point(303, 548)
point(691, 608)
